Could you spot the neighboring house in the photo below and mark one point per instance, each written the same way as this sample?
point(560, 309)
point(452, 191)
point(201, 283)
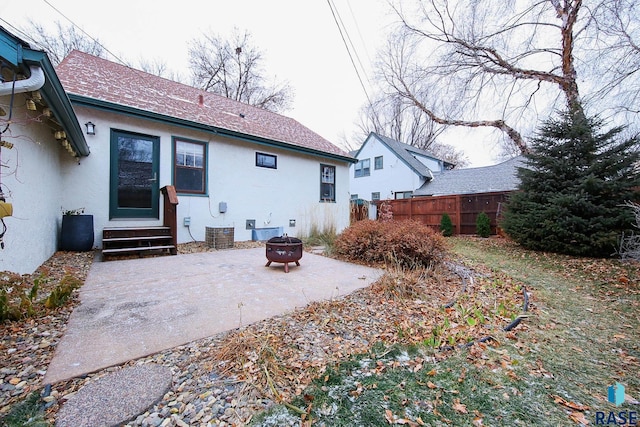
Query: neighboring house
point(488, 179)
point(388, 169)
point(35, 166)
point(234, 166)
point(462, 194)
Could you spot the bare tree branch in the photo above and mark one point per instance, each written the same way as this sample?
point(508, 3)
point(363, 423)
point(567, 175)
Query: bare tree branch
point(63, 41)
point(502, 64)
point(233, 68)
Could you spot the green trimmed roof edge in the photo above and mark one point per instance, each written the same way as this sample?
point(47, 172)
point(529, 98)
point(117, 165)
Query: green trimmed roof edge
point(149, 115)
point(52, 90)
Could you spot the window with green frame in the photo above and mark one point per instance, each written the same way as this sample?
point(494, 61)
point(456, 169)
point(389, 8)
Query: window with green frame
point(190, 166)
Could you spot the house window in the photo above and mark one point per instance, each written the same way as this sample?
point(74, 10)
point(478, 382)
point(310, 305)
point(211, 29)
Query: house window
point(327, 183)
point(375, 195)
point(363, 168)
point(266, 161)
point(403, 194)
point(354, 197)
point(377, 162)
point(190, 171)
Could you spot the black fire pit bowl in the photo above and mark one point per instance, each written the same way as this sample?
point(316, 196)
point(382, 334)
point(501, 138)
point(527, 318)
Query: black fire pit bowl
point(284, 250)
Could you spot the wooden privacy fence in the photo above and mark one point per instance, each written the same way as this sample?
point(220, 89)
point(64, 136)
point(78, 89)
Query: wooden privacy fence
point(359, 210)
point(463, 209)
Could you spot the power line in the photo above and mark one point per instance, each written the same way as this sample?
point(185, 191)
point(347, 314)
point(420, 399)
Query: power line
point(355, 21)
point(353, 47)
point(333, 12)
point(17, 30)
point(86, 34)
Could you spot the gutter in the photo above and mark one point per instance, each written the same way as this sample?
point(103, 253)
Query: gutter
point(33, 83)
point(111, 107)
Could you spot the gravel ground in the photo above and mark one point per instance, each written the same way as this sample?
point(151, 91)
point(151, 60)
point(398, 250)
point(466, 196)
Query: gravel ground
point(220, 380)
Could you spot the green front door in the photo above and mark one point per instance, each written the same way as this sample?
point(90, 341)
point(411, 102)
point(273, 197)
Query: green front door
point(134, 190)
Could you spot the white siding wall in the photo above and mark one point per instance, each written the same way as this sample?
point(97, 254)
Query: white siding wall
point(432, 164)
point(32, 184)
point(394, 176)
point(269, 196)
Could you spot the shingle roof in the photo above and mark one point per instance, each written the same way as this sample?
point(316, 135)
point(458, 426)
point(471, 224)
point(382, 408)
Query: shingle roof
point(500, 177)
point(121, 86)
point(405, 153)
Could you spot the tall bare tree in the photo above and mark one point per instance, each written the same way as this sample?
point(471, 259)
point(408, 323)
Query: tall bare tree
point(62, 41)
point(158, 67)
point(393, 117)
point(233, 68)
point(615, 53)
point(501, 63)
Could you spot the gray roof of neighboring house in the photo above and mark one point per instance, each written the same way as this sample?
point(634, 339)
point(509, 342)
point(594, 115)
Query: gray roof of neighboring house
point(99, 83)
point(405, 153)
point(500, 177)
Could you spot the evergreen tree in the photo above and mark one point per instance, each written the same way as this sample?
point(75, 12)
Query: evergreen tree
point(483, 225)
point(446, 225)
point(573, 188)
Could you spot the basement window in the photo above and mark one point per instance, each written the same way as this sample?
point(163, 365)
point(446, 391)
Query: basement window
point(266, 161)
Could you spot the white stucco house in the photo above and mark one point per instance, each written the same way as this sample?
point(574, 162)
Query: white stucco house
point(231, 164)
point(34, 165)
point(389, 169)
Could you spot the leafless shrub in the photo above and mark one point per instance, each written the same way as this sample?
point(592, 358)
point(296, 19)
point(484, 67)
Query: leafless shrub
point(630, 245)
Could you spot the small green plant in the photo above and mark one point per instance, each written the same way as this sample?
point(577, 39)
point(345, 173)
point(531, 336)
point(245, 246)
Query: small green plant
point(29, 412)
point(62, 291)
point(6, 310)
point(483, 225)
point(15, 301)
point(321, 237)
point(446, 226)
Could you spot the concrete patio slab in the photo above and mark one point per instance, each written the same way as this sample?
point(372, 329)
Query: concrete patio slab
point(116, 398)
point(132, 308)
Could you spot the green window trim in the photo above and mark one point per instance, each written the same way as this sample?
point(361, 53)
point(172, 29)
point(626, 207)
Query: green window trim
point(189, 166)
point(134, 175)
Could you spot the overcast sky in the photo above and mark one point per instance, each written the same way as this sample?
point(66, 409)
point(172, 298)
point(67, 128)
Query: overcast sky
point(299, 38)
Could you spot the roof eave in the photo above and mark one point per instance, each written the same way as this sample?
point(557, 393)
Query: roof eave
point(409, 165)
point(149, 115)
point(56, 97)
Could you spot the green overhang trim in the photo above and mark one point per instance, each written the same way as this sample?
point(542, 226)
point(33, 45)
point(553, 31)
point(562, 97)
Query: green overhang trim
point(60, 104)
point(18, 53)
point(149, 115)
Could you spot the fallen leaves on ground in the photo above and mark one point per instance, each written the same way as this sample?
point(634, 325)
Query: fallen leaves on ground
point(27, 345)
point(459, 407)
point(571, 405)
point(297, 347)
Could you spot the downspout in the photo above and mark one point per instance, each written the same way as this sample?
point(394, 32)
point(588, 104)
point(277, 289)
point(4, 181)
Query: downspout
point(34, 82)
